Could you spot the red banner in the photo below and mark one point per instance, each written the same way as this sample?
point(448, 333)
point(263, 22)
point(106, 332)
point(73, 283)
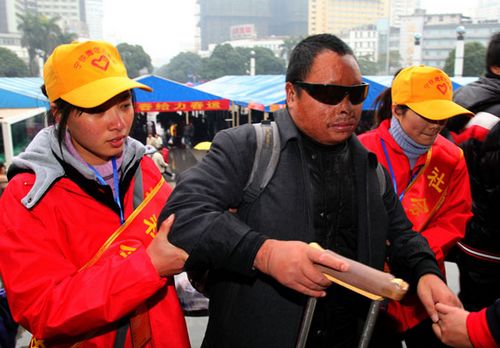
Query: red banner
point(182, 106)
point(275, 107)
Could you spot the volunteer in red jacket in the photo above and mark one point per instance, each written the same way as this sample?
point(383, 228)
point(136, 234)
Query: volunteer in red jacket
point(82, 260)
point(429, 175)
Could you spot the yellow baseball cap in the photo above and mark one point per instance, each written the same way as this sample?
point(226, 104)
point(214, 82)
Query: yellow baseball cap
point(86, 74)
point(427, 91)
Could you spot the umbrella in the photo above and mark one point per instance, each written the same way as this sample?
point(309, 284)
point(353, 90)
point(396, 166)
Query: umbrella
point(204, 145)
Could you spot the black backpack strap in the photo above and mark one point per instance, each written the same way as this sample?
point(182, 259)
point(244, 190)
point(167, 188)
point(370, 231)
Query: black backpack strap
point(138, 189)
point(265, 161)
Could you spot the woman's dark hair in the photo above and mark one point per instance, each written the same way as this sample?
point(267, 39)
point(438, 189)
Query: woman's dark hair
point(65, 109)
point(383, 105)
point(493, 52)
point(303, 54)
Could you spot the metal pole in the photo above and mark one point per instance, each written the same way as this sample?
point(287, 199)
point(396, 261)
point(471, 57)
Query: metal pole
point(417, 53)
point(233, 115)
point(252, 63)
point(459, 52)
point(371, 319)
point(8, 146)
point(306, 322)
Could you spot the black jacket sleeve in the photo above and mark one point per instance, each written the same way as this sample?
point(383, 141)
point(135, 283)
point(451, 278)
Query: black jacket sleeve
point(493, 319)
point(213, 236)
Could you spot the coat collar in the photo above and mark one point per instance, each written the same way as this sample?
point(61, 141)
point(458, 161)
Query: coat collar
point(286, 126)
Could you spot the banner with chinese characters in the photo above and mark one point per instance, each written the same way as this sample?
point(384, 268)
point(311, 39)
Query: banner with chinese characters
point(276, 107)
point(222, 104)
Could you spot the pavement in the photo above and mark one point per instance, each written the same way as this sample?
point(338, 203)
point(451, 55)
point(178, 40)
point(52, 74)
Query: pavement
point(180, 160)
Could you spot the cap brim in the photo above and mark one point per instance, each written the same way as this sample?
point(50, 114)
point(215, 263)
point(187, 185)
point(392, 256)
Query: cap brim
point(438, 109)
point(98, 92)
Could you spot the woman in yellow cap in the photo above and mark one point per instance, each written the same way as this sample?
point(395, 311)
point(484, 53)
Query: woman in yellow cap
point(82, 259)
point(429, 175)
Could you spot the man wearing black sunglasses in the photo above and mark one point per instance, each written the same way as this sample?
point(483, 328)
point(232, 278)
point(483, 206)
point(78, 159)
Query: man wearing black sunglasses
point(325, 189)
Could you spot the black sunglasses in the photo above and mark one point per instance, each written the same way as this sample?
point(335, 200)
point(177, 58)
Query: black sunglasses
point(334, 94)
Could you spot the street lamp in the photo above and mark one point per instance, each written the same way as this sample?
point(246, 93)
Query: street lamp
point(252, 63)
point(459, 51)
point(417, 53)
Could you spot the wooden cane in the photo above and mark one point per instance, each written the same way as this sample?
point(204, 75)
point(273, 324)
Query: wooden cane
point(362, 279)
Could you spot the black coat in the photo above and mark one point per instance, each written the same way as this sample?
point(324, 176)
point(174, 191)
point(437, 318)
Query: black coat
point(248, 308)
point(483, 163)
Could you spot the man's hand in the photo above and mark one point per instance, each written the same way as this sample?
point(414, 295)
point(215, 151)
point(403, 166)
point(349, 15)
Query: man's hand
point(451, 327)
point(431, 290)
point(166, 258)
point(292, 264)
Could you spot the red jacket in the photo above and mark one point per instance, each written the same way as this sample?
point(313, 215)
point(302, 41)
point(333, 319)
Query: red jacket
point(447, 224)
point(483, 327)
point(44, 251)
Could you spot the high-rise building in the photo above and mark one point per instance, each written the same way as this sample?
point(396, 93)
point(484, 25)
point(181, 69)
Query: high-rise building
point(438, 35)
point(333, 16)
point(219, 19)
point(9, 11)
point(82, 17)
point(10, 37)
point(92, 15)
point(400, 8)
point(69, 12)
point(488, 10)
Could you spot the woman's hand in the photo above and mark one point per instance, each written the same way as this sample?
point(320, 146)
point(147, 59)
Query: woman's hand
point(166, 258)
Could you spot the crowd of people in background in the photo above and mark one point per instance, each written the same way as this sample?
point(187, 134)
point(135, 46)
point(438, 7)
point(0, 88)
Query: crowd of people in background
point(76, 198)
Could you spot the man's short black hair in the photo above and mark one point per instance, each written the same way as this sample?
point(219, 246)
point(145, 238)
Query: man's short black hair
point(303, 54)
point(493, 52)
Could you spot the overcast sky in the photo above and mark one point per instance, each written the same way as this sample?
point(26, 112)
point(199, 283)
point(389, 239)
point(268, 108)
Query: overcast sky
point(166, 27)
point(162, 27)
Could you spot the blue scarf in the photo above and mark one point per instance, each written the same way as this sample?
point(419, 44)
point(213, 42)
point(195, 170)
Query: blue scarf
point(410, 147)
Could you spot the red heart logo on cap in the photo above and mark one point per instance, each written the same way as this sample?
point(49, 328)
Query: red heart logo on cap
point(101, 63)
point(442, 88)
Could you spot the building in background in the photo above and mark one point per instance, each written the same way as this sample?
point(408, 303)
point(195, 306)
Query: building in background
point(83, 17)
point(364, 41)
point(334, 16)
point(487, 10)
point(10, 37)
point(92, 15)
point(400, 8)
point(268, 18)
point(375, 42)
point(410, 26)
point(438, 35)
point(70, 13)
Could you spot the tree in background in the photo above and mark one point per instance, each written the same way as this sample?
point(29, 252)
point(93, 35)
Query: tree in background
point(225, 60)
point(394, 63)
point(367, 65)
point(266, 63)
point(135, 59)
point(474, 60)
point(287, 47)
point(184, 67)
point(40, 35)
point(11, 65)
